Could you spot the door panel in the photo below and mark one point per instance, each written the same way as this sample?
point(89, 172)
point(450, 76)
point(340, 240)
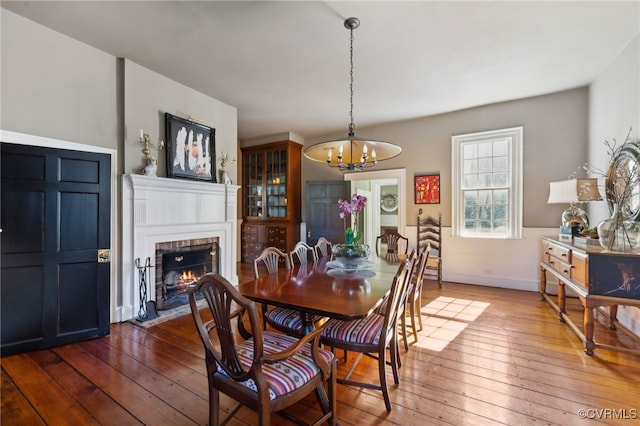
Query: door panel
point(322, 212)
point(55, 217)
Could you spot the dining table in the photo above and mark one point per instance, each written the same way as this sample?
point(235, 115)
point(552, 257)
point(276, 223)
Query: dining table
point(325, 288)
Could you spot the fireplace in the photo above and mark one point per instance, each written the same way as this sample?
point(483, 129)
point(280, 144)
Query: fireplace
point(171, 215)
point(180, 264)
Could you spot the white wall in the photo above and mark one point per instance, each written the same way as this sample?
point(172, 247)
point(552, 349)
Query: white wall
point(68, 92)
point(148, 95)
point(614, 106)
point(54, 86)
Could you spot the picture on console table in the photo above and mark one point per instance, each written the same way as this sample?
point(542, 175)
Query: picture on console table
point(615, 276)
point(191, 149)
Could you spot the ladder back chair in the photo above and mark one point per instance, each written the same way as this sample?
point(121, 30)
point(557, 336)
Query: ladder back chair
point(267, 372)
point(396, 244)
point(373, 335)
point(430, 232)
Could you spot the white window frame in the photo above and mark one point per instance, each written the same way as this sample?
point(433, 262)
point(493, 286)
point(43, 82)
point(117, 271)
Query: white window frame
point(514, 137)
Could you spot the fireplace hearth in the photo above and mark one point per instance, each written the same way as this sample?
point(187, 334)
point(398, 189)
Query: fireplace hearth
point(180, 264)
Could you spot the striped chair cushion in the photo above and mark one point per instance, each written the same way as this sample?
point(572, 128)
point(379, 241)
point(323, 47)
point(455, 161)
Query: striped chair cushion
point(287, 317)
point(364, 331)
point(285, 376)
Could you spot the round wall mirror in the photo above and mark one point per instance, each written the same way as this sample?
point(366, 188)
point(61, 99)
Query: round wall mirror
point(623, 181)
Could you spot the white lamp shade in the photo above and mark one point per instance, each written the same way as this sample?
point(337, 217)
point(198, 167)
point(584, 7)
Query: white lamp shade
point(573, 190)
point(563, 192)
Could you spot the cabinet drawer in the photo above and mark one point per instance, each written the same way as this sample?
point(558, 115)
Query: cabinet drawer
point(559, 252)
point(561, 267)
point(579, 269)
point(544, 252)
point(274, 230)
point(281, 243)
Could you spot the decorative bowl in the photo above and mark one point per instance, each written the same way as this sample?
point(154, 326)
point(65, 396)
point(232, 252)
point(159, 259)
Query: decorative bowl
point(351, 256)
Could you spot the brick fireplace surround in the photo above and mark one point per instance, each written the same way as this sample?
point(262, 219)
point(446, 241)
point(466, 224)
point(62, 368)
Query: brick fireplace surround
point(161, 210)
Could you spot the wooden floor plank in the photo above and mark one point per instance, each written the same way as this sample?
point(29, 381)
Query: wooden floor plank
point(15, 404)
point(54, 405)
point(90, 397)
point(141, 403)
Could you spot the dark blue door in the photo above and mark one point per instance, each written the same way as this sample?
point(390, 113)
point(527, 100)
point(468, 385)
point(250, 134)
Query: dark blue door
point(55, 220)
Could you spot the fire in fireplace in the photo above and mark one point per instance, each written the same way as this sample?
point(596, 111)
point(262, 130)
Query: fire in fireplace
point(180, 265)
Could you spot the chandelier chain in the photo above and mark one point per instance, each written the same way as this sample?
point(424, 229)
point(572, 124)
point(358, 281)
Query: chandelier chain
point(351, 153)
point(352, 126)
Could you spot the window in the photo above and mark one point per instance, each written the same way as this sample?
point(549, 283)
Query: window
point(487, 184)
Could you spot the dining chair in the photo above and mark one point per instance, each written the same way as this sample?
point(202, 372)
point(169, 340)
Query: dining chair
point(267, 372)
point(270, 259)
point(323, 247)
point(373, 335)
point(301, 253)
point(282, 319)
point(414, 296)
point(414, 259)
point(396, 244)
point(430, 232)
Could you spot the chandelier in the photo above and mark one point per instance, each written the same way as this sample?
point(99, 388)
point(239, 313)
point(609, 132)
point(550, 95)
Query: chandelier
point(352, 153)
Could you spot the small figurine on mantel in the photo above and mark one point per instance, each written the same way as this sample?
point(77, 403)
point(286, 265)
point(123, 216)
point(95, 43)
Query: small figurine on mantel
point(225, 178)
point(151, 167)
point(152, 163)
point(224, 161)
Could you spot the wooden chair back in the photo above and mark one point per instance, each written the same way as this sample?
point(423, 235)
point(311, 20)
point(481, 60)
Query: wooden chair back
point(270, 259)
point(414, 295)
point(430, 232)
point(396, 244)
point(323, 247)
point(302, 253)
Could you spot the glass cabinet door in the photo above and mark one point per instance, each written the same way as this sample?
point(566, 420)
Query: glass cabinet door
point(252, 172)
point(276, 183)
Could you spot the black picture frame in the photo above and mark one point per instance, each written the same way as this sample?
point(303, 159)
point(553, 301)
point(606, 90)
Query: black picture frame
point(184, 138)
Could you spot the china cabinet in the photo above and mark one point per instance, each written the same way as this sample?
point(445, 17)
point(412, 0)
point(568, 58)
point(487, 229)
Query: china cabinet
point(271, 181)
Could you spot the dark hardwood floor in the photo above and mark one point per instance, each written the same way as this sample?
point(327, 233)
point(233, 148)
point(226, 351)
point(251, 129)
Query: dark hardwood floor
point(486, 356)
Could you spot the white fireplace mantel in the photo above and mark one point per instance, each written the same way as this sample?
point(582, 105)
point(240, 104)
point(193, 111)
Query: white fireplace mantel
point(157, 210)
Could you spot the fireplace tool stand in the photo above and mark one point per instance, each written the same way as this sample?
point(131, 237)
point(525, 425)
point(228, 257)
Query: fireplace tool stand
point(147, 309)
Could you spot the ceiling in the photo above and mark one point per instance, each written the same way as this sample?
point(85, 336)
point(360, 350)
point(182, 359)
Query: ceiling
point(285, 64)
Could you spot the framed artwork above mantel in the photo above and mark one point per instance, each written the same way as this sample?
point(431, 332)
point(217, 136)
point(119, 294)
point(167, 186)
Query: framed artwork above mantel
point(427, 189)
point(191, 149)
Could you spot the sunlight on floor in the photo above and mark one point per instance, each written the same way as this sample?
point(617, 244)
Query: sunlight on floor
point(444, 318)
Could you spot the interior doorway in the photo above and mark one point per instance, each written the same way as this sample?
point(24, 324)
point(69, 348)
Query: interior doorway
point(378, 184)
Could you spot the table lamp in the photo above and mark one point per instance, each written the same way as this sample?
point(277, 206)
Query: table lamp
point(573, 191)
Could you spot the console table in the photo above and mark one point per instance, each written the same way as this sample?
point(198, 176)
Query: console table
point(596, 275)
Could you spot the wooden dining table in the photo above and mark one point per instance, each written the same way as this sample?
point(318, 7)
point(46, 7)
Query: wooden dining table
point(320, 288)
